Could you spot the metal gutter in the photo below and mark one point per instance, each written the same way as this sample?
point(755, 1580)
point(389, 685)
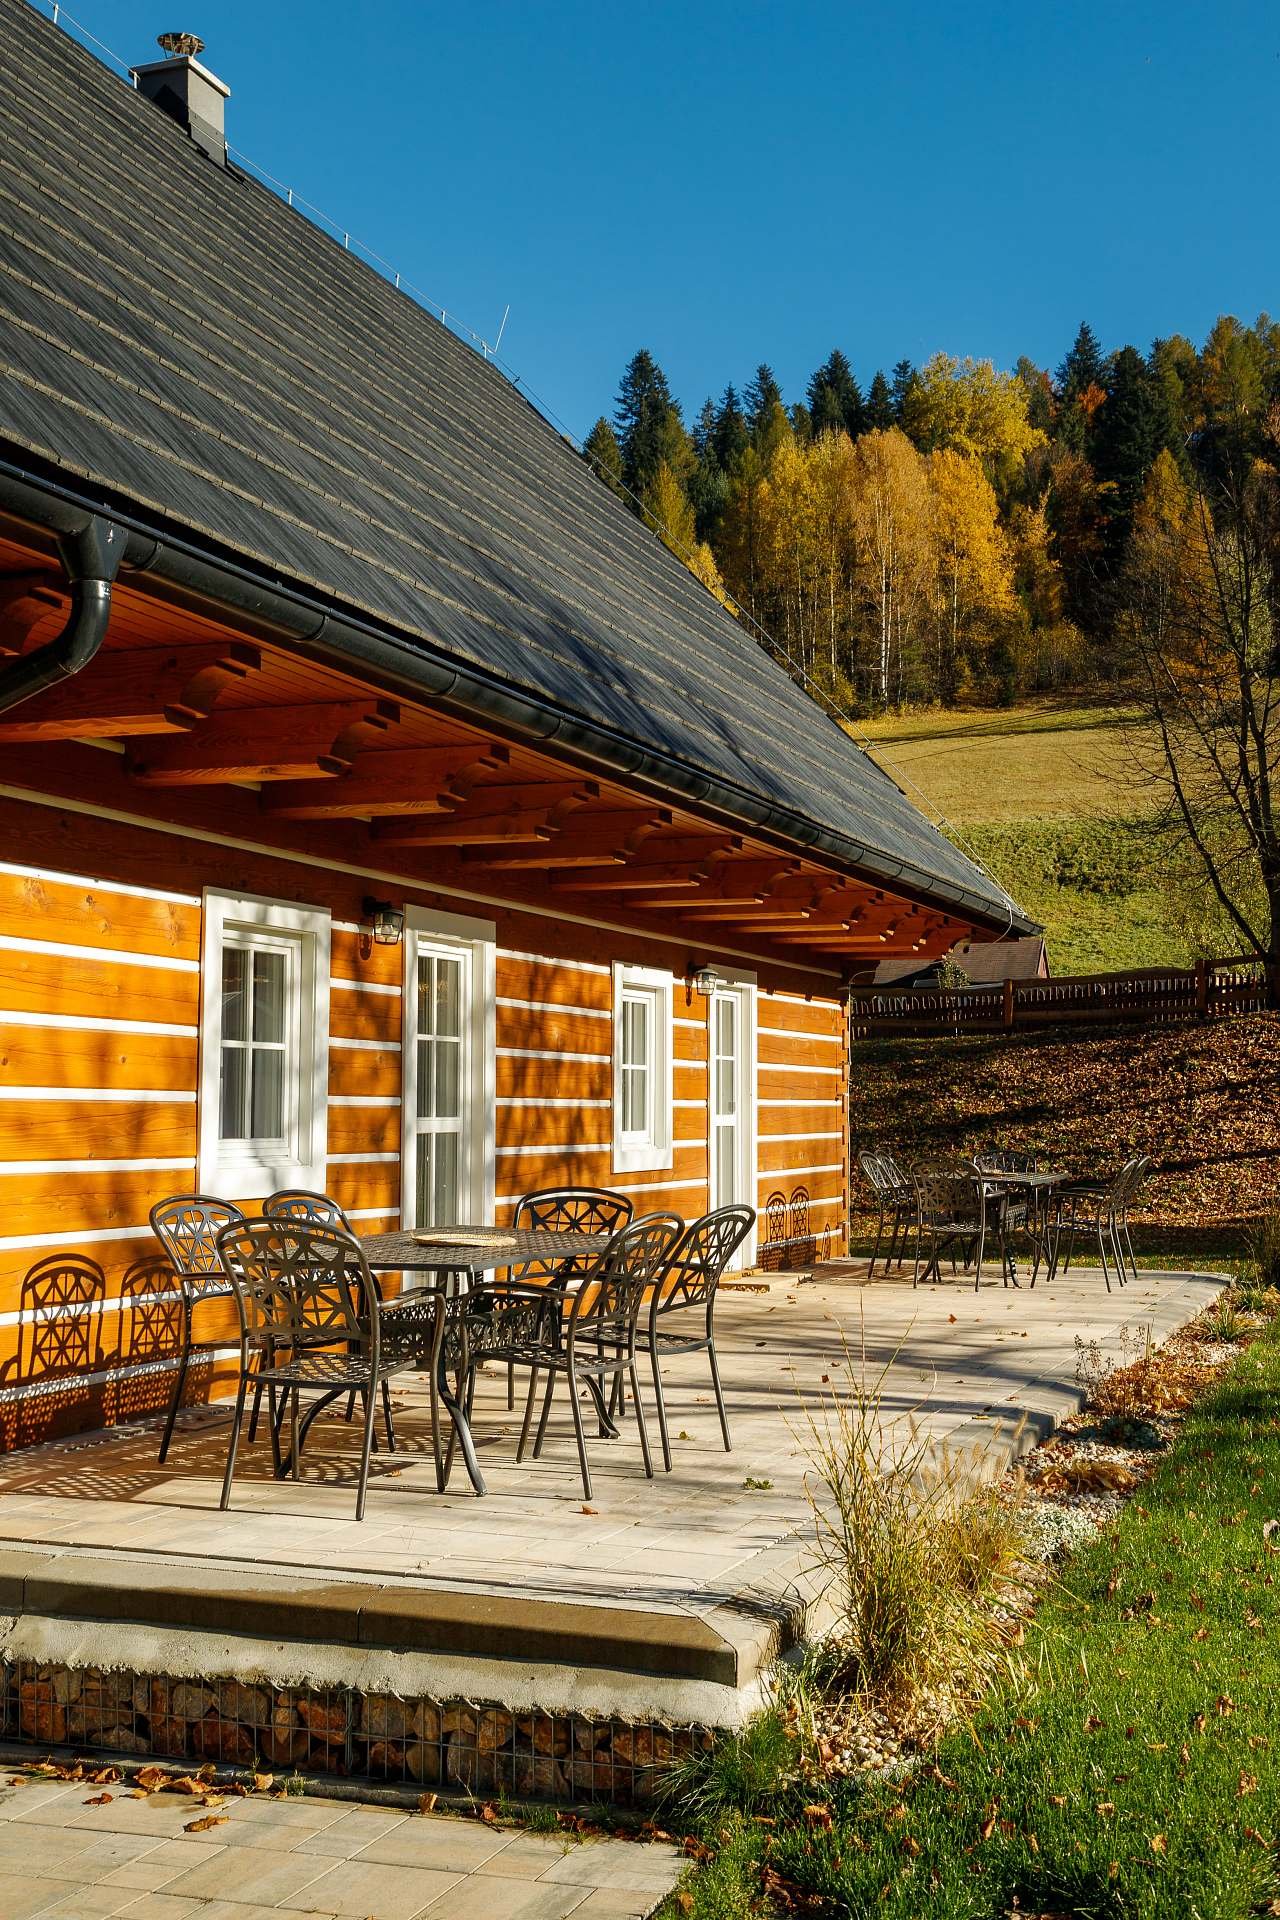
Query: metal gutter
point(91, 553)
point(413, 667)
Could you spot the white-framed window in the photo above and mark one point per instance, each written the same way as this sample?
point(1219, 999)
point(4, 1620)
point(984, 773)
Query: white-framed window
point(449, 1069)
point(732, 1101)
point(642, 1053)
point(264, 1046)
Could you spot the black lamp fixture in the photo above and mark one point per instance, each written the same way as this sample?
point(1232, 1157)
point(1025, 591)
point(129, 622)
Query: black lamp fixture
point(701, 980)
point(387, 921)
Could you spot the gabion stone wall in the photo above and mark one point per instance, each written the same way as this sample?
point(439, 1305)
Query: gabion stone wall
point(463, 1745)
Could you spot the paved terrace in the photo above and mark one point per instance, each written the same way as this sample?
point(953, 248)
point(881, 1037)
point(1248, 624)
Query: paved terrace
point(660, 1598)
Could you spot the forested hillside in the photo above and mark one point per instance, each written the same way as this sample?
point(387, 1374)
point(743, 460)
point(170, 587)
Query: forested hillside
point(953, 533)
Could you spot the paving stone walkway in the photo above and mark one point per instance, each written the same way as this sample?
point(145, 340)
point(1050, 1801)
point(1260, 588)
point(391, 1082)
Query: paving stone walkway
point(63, 1858)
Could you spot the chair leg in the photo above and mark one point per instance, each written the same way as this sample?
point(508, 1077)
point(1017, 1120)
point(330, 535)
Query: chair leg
point(661, 1405)
point(234, 1441)
point(370, 1397)
point(541, 1434)
point(982, 1241)
point(528, 1412)
point(180, 1381)
point(579, 1434)
point(640, 1419)
point(719, 1393)
point(386, 1416)
point(875, 1251)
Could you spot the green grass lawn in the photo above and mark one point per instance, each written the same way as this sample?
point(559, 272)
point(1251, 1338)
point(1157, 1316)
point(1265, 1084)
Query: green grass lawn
point(1051, 799)
point(1134, 1775)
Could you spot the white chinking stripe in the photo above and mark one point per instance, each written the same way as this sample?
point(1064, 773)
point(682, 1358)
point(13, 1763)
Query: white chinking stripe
point(73, 950)
point(361, 1159)
point(96, 1023)
point(364, 1046)
point(549, 959)
point(542, 1053)
point(783, 1066)
point(83, 1164)
point(790, 1139)
point(553, 1006)
point(794, 1033)
point(532, 1100)
point(58, 1383)
point(364, 1100)
point(339, 984)
point(52, 878)
point(121, 1096)
point(797, 1173)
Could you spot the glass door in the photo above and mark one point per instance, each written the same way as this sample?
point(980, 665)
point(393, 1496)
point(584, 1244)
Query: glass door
point(440, 1178)
point(725, 1143)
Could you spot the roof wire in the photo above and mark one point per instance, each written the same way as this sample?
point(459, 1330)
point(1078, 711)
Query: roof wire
point(845, 720)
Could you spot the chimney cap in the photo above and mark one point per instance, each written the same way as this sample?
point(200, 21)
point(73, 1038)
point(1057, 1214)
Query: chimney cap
point(182, 46)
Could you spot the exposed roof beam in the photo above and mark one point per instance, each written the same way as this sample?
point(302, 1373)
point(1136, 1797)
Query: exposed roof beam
point(599, 839)
point(266, 743)
point(25, 600)
point(397, 781)
point(495, 816)
point(156, 690)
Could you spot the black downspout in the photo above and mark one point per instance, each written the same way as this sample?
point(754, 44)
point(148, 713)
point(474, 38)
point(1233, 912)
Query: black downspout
point(91, 558)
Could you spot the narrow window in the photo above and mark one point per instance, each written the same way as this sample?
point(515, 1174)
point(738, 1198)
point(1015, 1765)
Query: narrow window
point(642, 1051)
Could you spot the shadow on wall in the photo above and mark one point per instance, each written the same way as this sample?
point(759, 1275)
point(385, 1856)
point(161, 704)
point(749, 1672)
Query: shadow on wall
point(65, 1374)
point(789, 1240)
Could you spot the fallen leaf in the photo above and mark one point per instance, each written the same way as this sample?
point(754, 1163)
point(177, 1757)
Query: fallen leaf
point(1247, 1784)
point(150, 1779)
point(263, 1782)
point(1158, 1843)
point(427, 1802)
point(100, 1800)
point(684, 1901)
point(1105, 1808)
point(204, 1824)
point(587, 1509)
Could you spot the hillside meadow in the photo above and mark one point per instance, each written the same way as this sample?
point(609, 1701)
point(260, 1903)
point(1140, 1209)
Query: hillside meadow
point(1052, 800)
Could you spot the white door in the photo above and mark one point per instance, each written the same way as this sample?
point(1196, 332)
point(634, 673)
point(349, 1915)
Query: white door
point(438, 1184)
point(731, 1114)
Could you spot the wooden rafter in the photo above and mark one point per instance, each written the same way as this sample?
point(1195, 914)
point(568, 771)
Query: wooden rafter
point(603, 839)
point(154, 690)
point(267, 743)
point(394, 782)
point(25, 600)
point(495, 816)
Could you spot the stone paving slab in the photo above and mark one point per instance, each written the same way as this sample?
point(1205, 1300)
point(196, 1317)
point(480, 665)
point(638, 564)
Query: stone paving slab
point(690, 1580)
point(61, 1857)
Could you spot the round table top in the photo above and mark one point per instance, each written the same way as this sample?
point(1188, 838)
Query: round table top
point(476, 1249)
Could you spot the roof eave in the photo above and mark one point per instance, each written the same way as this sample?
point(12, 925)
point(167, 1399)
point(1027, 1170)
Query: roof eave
point(411, 666)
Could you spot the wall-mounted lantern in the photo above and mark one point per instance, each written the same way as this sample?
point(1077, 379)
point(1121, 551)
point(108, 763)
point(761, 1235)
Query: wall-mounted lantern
point(387, 921)
point(702, 981)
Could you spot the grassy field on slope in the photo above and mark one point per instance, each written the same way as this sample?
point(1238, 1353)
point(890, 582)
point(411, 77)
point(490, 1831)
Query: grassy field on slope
point(1050, 799)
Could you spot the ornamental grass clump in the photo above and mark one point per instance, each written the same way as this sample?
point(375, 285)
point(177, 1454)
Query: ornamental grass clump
point(917, 1549)
point(1262, 1245)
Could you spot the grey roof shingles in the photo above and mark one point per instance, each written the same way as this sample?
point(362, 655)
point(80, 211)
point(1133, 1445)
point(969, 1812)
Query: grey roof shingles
point(175, 336)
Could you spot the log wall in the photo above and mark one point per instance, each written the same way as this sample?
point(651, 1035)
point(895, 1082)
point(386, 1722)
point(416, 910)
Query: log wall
point(100, 984)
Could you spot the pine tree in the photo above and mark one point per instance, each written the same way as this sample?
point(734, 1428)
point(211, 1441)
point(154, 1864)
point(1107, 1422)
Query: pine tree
point(835, 398)
point(903, 380)
point(708, 483)
point(1132, 429)
point(878, 412)
point(1039, 391)
point(763, 396)
point(731, 436)
point(648, 425)
point(1081, 383)
point(603, 455)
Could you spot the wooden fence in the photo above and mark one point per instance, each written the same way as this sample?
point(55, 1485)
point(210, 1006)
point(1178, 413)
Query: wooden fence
point(1211, 990)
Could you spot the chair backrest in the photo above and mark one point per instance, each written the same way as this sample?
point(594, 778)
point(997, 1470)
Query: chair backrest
point(312, 1209)
point(699, 1259)
point(875, 1172)
point(951, 1196)
point(308, 1286)
point(187, 1227)
point(569, 1210)
point(610, 1294)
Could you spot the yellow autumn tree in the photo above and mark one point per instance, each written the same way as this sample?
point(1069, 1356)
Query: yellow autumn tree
point(973, 596)
point(893, 527)
point(967, 407)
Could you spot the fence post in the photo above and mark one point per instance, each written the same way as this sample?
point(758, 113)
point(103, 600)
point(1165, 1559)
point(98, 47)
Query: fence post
point(1008, 1003)
point(1202, 989)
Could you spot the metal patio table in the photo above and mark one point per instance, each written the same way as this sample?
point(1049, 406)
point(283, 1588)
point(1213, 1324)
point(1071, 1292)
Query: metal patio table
point(1038, 1188)
point(469, 1253)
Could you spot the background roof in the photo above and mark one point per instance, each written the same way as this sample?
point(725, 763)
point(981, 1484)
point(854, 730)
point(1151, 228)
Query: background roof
point(176, 335)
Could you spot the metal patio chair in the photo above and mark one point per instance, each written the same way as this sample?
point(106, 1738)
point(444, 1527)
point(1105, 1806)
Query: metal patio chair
point(957, 1213)
point(187, 1227)
point(689, 1285)
point(318, 1210)
point(564, 1210)
point(894, 1195)
point(587, 1337)
point(1094, 1210)
point(308, 1305)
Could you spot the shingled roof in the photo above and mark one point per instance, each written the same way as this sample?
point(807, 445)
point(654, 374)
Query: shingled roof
point(175, 339)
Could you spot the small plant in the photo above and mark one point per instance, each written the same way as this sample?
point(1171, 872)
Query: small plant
point(742, 1773)
point(1224, 1323)
point(1262, 1246)
point(753, 1485)
point(1120, 1388)
point(1250, 1296)
point(916, 1544)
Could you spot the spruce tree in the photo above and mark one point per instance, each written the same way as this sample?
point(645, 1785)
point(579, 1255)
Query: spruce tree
point(1039, 391)
point(731, 436)
point(835, 398)
point(1081, 383)
point(904, 380)
point(762, 396)
point(708, 483)
point(878, 412)
point(648, 425)
point(1131, 430)
point(603, 455)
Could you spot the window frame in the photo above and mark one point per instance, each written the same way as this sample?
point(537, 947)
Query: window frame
point(475, 942)
point(251, 1169)
point(651, 1150)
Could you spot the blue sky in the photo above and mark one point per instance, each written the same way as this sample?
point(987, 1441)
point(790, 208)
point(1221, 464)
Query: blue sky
point(731, 182)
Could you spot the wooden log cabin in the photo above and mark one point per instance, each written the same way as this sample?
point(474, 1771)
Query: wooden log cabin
point(310, 621)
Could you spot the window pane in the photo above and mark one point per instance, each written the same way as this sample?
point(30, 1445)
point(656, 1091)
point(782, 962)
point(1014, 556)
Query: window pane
point(444, 1195)
point(726, 1165)
point(635, 1100)
point(448, 1055)
point(726, 1011)
point(267, 1103)
point(726, 1088)
point(231, 1119)
point(426, 1079)
point(635, 1031)
point(449, 997)
point(233, 993)
point(268, 996)
point(426, 993)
